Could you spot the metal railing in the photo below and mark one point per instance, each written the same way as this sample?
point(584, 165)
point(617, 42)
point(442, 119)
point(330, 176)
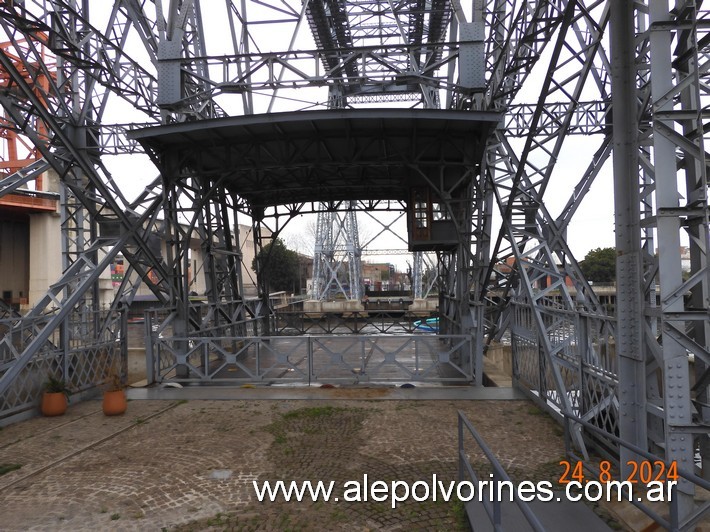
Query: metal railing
point(674, 522)
point(311, 359)
point(584, 355)
point(81, 352)
point(492, 507)
point(372, 322)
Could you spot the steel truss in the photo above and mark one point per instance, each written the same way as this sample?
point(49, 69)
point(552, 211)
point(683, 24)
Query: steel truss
point(531, 240)
point(336, 259)
point(314, 359)
point(662, 318)
point(544, 65)
point(671, 199)
point(67, 332)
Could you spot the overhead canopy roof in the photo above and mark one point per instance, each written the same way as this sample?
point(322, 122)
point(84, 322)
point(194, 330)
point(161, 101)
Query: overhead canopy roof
point(334, 155)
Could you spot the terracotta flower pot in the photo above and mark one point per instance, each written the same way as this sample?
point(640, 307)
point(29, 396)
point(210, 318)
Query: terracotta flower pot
point(115, 402)
point(53, 403)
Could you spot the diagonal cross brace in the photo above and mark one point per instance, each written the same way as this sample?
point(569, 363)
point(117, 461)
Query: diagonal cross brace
point(23, 176)
point(108, 196)
point(80, 268)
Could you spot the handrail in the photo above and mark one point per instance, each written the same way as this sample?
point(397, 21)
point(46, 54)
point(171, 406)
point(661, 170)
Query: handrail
point(674, 523)
point(310, 358)
point(494, 512)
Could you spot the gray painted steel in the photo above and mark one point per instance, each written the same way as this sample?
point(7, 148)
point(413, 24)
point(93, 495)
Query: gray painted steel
point(223, 131)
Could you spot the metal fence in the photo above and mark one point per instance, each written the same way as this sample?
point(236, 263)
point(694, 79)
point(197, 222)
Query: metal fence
point(83, 353)
point(579, 374)
point(492, 505)
point(313, 359)
point(667, 513)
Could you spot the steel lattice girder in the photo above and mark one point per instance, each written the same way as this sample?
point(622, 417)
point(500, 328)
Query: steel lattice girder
point(678, 63)
point(404, 54)
point(530, 237)
point(337, 247)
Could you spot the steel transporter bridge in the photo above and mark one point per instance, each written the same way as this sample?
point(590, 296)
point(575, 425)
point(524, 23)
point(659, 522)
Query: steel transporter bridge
point(459, 114)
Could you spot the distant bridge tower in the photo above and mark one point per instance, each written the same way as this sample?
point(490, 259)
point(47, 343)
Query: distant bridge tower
point(337, 268)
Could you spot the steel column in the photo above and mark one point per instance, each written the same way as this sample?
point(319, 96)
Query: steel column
point(629, 305)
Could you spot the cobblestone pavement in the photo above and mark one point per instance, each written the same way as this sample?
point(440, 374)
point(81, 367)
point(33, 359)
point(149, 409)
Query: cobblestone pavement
point(190, 465)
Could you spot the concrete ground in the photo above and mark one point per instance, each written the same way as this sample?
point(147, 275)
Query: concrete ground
point(189, 464)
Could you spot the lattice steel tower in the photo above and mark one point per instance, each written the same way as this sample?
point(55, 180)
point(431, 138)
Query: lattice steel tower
point(449, 110)
point(337, 269)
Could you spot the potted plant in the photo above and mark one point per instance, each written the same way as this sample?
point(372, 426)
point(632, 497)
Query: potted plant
point(55, 397)
point(114, 402)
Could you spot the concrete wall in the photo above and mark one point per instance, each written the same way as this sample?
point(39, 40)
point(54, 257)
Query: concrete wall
point(45, 254)
point(31, 259)
point(14, 260)
point(30, 246)
point(197, 259)
point(246, 247)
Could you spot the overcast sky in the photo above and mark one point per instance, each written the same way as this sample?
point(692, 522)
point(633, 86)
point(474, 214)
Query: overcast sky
point(591, 227)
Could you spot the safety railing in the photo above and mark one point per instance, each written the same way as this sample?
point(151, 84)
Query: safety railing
point(83, 352)
point(311, 359)
point(493, 507)
point(583, 356)
point(676, 521)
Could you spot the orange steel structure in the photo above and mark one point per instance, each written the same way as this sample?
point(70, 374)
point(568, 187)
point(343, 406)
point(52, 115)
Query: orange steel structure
point(16, 151)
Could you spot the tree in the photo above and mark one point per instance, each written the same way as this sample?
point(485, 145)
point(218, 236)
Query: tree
point(600, 265)
point(280, 266)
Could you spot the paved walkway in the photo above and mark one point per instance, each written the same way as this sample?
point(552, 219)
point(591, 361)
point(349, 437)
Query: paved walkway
point(189, 465)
